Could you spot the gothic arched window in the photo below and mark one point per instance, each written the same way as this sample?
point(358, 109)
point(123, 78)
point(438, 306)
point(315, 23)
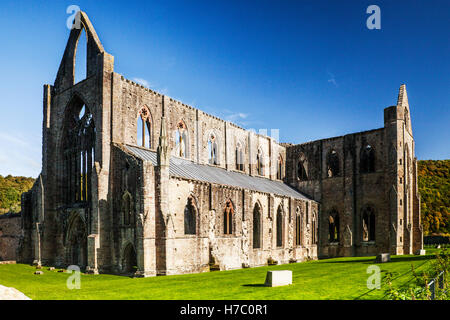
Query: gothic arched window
point(367, 159)
point(368, 224)
point(190, 217)
point(298, 227)
point(127, 209)
point(228, 218)
point(144, 128)
point(279, 226)
point(239, 157)
point(260, 162)
point(332, 164)
point(213, 150)
point(333, 227)
point(78, 152)
point(280, 168)
point(302, 168)
point(257, 226)
point(181, 140)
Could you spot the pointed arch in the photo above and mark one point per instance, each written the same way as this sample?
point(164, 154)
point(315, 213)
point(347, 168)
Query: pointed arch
point(368, 223)
point(302, 168)
point(367, 159)
point(333, 226)
point(257, 225)
point(66, 73)
point(260, 162)
point(190, 216)
point(78, 151)
point(213, 148)
point(332, 164)
point(298, 227)
point(239, 156)
point(280, 167)
point(80, 60)
point(280, 226)
point(129, 259)
point(145, 128)
point(76, 240)
point(181, 140)
point(228, 217)
point(128, 216)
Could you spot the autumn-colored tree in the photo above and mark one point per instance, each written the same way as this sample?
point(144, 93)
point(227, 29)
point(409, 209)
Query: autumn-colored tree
point(11, 189)
point(434, 188)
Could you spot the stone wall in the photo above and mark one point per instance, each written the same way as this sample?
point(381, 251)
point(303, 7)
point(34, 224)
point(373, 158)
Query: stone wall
point(10, 233)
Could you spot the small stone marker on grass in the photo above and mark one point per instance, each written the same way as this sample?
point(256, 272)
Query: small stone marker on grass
point(278, 278)
point(39, 272)
point(422, 252)
point(383, 257)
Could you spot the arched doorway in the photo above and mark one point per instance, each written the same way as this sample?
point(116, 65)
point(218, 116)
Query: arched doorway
point(77, 242)
point(129, 262)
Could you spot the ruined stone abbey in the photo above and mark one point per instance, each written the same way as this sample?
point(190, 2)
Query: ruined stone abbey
point(135, 182)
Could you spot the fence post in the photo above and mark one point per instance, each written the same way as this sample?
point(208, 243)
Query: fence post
point(432, 289)
point(441, 280)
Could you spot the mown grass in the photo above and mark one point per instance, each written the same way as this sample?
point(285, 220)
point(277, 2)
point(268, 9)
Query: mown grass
point(339, 278)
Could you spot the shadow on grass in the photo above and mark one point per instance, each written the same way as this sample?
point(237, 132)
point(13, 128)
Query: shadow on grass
point(372, 260)
point(352, 261)
point(254, 285)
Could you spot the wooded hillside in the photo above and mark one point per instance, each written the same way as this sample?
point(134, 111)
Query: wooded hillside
point(11, 189)
point(434, 188)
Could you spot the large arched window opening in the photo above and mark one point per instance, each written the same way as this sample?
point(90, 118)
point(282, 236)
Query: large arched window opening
point(190, 217)
point(332, 164)
point(80, 68)
point(213, 150)
point(181, 140)
point(78, 152)
point(228, 218)
point(260, 162)
point(257, 226)
point(239, 157)
point(298, 227)
point(144, 128)
point(367, 159)
point(280, 167)
point(302, 168)
point(333, 227)
point(279, 226)
point(368, 224)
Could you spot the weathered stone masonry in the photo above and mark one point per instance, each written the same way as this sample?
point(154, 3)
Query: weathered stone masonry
point(133, 181)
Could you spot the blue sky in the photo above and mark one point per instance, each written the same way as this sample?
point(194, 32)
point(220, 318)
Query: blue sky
point(309, 68)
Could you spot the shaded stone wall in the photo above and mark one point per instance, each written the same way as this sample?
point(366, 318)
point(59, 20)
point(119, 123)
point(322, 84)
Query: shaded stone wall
point(390, 189)
point(10, 234)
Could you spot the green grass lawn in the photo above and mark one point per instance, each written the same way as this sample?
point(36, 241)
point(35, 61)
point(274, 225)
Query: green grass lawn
point(339, 278)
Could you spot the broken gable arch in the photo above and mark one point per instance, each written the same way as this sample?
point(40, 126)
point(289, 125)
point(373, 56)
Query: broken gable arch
point(66, 73)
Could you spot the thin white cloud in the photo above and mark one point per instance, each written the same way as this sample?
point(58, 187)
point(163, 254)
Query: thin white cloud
point(236, 116)
point(143, 82)
point(332, 79)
